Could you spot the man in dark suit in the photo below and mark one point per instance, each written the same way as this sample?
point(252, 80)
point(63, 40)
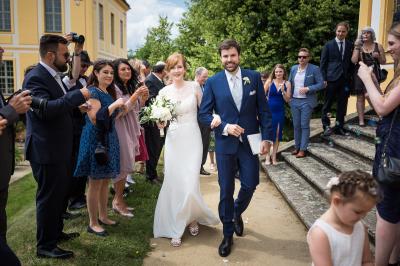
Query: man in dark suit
point(9, 113)
point(201, 76)
point(48, 145)
point(336, 68)
point(154, 142)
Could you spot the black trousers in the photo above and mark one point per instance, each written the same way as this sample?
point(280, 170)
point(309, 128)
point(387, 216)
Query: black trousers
point(3, 215)
point(54, 182)
point(78, 184)
point(154, 143)
point(205, 137)
point(336, 90)
point(7, 255)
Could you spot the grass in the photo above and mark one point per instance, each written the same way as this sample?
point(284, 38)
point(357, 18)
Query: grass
point(127, 244)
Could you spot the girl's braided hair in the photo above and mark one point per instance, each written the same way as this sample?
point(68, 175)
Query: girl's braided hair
point(347, 184)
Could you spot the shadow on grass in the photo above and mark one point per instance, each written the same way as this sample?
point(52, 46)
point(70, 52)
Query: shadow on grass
point(127, 243)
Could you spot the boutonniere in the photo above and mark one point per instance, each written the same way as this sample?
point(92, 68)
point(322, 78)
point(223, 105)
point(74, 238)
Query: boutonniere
point(246, 80)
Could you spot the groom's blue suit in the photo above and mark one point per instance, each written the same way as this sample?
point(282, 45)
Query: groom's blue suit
point(232, 153)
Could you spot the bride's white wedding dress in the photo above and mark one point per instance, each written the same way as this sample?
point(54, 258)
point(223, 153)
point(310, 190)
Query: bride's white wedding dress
point(180, 201)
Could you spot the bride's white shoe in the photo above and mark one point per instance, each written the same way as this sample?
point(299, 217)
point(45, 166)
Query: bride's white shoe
point(176, 242)
point(194, 229)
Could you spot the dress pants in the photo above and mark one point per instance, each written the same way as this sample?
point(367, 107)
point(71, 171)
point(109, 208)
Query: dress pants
point(78, 184)
point(205, 137)
point(338, 90)
point(54, 181)
point(301, 115)
point(7, 256)
point(228, 164)
point(3, 215)
point(154, 143)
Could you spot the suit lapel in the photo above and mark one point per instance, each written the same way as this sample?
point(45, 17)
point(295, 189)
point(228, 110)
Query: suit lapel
point(53, 84)
point(246, 88)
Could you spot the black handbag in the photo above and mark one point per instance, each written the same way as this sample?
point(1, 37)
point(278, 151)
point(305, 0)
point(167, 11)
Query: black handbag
point(389, 167)
point(100, 154)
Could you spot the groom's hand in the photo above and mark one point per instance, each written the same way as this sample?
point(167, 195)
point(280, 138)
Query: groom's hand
point(235, 130)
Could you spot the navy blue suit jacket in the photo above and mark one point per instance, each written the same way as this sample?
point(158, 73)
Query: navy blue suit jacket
point(332, 65)
point(253, 115)
point(49, 134)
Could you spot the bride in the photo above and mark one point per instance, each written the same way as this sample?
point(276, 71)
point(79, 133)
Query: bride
point(180, 202)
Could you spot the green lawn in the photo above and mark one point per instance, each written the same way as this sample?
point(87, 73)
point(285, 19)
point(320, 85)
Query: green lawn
point(127, 243)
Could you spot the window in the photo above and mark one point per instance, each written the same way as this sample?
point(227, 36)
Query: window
point(121, 33)
point(52, 11)
point(5, 15)
point(7, 77)
point(112, 29)
point(101, 22)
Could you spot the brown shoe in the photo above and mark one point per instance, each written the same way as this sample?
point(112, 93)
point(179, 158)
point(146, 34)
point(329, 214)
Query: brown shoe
point(295, 152)
point(301, 154)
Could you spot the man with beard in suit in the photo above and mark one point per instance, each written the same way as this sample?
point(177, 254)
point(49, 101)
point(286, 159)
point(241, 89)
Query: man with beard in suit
point(49, 141)
point(154, 142)
point(9, 114)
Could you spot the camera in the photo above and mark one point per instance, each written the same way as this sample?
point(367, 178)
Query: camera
point(77, 38)
point(37, 103)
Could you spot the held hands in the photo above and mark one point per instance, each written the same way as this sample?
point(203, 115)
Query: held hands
point(358, 43)
point(235, 130)
point(21, 102)
point(3, 124)
point(216, 121)
point(303, 90)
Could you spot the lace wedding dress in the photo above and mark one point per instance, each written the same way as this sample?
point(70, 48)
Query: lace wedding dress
point(180, 201)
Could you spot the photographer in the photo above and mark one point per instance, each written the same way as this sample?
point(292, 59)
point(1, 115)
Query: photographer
point(9, 113)
point(76, 80)
point(48, 145)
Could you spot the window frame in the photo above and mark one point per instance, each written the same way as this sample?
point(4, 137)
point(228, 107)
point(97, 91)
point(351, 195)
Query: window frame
point(2, 18)
point(101, 21)
point(7, 90)
point(53, 14)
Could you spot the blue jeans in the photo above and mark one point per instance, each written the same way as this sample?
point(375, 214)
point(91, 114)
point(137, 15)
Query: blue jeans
point(301, 114)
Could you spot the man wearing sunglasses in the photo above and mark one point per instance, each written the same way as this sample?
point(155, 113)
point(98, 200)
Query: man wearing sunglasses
point(336, 68)
point(48, 145)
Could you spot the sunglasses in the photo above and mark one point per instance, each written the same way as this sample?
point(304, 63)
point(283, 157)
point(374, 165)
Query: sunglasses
point(65, 55)
point(302, 57)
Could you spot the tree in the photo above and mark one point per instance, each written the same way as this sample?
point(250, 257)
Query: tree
point(159, 44)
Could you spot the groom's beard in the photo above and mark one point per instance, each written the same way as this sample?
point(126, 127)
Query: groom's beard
point(231, 66)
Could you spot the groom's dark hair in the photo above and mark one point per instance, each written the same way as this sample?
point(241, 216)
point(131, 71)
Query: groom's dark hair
point(228, 44)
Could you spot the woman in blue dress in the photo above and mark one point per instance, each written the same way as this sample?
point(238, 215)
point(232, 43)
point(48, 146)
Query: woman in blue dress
point(99, 127)
point(387, 107)
point(278, 91)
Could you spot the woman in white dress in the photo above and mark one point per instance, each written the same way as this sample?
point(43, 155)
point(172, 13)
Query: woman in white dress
point(180, 202)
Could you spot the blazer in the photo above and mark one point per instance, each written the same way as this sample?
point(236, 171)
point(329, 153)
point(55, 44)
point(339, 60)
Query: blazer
point(332, 65)
point(254, 115)
point(7, 148)
point(313, 80)
point(154, 85)
point(49, 134)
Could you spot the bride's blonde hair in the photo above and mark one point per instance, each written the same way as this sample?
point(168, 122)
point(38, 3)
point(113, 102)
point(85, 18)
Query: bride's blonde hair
point(173, 60)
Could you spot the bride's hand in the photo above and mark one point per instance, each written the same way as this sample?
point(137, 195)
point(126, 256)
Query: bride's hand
point(216, 121)
point(161, 125)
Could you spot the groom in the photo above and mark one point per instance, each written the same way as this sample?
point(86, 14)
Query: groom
point(238, 97)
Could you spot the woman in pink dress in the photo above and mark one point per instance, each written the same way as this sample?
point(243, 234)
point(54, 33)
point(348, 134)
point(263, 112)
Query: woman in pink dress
point(127, 125)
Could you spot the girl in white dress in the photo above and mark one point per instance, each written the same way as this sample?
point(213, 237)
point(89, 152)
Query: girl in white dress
point(180, 202)
point(339, 238)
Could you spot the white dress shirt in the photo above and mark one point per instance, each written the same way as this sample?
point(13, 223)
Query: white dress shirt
point(343, 43)
point(56, 75)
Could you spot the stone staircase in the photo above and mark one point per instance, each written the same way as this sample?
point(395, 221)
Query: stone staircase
point(302, 181)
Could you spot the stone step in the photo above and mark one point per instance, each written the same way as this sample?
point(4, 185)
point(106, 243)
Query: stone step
point(354, 144)
point(312, 170)
point(338, 159)
point(306, 201)
point(367, 131)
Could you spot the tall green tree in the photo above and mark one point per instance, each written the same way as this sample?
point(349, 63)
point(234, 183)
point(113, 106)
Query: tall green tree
point(159, 44)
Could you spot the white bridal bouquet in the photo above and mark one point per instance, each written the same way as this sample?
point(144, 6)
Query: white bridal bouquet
point(161, 110)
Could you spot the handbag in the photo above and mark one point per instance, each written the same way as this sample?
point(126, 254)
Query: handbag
point(100, 154)
point(380, 72)
point(389, 167)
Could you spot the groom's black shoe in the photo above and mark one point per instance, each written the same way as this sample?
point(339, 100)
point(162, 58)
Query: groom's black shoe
point(238, 226)
point(55, 253)
point(225, 246)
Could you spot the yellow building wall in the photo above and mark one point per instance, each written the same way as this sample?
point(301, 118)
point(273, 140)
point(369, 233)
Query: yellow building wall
point(27, 25)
